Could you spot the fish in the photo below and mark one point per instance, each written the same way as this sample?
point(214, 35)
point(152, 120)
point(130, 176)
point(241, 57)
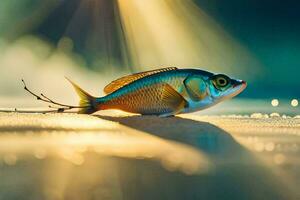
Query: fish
point(163, 92)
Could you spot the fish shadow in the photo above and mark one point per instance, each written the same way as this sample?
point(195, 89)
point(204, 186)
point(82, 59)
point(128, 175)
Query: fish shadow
point(238, 173)
point(201, 135)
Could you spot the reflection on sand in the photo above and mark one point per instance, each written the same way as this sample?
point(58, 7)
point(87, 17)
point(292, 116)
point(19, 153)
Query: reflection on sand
point(69, 156)
point(68, 136)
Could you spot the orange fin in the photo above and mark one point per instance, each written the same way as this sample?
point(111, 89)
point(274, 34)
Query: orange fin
point(119, 83)
point(172, 98)
point(87, 101)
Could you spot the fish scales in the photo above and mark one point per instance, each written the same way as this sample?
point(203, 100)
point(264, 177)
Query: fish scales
point(145, 95)
point(163, 92)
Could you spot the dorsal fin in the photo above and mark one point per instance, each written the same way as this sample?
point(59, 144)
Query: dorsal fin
point(119, 83)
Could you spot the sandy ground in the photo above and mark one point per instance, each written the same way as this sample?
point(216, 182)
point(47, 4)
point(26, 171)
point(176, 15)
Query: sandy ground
point(120, 156)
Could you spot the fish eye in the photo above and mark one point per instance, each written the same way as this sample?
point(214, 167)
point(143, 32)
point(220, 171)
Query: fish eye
point(220, 81)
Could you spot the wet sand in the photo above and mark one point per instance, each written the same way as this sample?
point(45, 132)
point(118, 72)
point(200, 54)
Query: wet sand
point(120, 156)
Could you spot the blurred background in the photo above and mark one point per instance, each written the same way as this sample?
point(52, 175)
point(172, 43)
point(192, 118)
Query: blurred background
point(95, 41)
point(244, 148)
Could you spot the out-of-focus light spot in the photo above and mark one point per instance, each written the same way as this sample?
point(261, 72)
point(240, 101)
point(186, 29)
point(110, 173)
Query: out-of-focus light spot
point(259, 146)
point(256, 115)
point(269, 146)
point(266, 116)
point(275, 102)
point(279, 159)
point(72, 156)
point(274, 115)
point(294, 102)
point(285, 116)
point(10, 159)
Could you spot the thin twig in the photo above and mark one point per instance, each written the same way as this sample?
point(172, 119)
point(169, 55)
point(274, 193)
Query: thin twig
point(62, 108)
point(46, 99)
point(25, 88)
point(15, 110)
point(59, 104)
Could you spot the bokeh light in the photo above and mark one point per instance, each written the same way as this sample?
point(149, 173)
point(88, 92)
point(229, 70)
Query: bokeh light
point(294, 103)
point(275, 102)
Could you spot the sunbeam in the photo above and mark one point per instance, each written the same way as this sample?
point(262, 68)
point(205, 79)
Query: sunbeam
point(185, 36)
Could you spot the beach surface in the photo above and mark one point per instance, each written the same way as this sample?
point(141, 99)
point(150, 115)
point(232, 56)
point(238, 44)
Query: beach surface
point(115, 155)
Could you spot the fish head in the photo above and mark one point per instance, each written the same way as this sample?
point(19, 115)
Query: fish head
point(222, 87)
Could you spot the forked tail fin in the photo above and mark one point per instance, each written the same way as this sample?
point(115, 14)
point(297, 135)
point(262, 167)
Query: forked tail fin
point(87, 103)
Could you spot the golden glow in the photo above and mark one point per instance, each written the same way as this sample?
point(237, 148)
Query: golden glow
point(269, 146)
point(40, 153)
point(178, 33)
point(70, 136)
point(275, 115)
point(257, 115)
point(37, 56)
point(259, 146)
point(91, 154)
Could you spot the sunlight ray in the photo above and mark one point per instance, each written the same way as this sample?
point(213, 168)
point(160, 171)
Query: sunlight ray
point(185, 36)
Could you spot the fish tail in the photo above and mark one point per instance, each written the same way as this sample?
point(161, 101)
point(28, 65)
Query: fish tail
point(88, 104)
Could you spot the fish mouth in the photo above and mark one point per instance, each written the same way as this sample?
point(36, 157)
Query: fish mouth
point(241, 83)
point(239, 87)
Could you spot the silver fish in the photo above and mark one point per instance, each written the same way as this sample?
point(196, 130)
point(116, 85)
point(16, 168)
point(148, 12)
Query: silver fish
point(163, 92)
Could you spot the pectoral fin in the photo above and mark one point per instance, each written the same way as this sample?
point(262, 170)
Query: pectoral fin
point(173, 99)
point(195, 87)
